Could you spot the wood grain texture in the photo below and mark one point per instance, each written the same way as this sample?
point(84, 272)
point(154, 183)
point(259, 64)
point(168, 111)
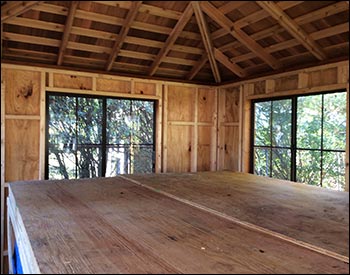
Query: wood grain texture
point(22, 149)
point(310, 214)
point(111, 225)
point(22, 92)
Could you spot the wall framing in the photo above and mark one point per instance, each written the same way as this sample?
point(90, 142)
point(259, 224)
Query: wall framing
point(218, 139)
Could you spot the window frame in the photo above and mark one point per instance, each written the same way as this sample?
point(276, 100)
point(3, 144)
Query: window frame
point(104, 144)
point(293, 148)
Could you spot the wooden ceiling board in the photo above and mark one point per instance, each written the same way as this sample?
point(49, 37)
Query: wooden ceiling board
point(247, 34)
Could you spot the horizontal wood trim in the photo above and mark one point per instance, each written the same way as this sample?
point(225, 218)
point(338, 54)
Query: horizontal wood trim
point(318, 89)
point(25, 117)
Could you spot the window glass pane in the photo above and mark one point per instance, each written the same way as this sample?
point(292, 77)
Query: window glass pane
point(89, 162)
point(309, 118)
point(262, 158)
point(142, 159)
point(117, 160)
point(142, 122)
point(62, 121)
point(309, 167)
point(118, 121)
point(61, 164)
point(281, 122)
point(89, 121)
point(334, 170)
point(334, 125)
point(262, 123)
point(281, 163)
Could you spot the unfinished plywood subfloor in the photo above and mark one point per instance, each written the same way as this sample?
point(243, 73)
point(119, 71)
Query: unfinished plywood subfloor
point(310, 214)
point(112, 225)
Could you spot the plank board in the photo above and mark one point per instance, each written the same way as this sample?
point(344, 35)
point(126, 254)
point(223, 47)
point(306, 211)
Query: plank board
point(311, 214)
point(111, 225)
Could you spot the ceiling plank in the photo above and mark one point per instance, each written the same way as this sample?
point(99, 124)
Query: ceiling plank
point(208, 44)
point(123, 33)
point(15, 8)
point(230, 6)
point(240, 35)
point(66, 32)
point(224, 60)
point(186, 16)
point(290, 26)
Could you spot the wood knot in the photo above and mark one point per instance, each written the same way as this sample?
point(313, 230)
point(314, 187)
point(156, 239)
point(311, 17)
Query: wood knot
point(27, 91)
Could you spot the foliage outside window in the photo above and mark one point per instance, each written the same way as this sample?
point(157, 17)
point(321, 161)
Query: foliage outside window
point(301, 138)
point(90, 136)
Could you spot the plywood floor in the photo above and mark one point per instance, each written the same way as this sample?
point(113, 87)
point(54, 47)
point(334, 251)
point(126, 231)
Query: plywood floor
point(112, 225)
point(311, 214)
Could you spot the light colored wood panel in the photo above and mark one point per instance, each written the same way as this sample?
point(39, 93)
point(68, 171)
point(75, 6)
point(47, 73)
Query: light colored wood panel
point(22, 149)
point(180, 103)
point(323, 77)
point(313, 217)
point(177, 236)
point(113, 85)
point(259, 88)
point(179, 148)
point(206, 105)
point(72, 81)
point(3, 215)
point(145, 88)
point(204, 147)
point(286, 83)
point(231, 148)
point(22, 92)
point(232, 105)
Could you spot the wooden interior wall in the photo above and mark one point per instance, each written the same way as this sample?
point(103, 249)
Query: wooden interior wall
point(189, 141)
point(330, 77)
point(198, 128)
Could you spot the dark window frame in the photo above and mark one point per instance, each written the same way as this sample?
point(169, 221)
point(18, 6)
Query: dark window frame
point(104, 144)
point(293, 148)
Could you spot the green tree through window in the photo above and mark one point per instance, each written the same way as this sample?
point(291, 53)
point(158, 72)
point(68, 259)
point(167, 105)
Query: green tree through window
point(301, 138)
point(90, 136)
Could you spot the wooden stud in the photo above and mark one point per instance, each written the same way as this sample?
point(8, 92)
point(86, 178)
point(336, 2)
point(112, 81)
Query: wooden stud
point(240, 129)
point(185, 17)
point(159, 128)
point(135, 5)
point(42, 127)
point(289, 24)
point(248, 90)
point(67, 30)
point(203, 27)
point(14, 8)
point(240, 35)
point(194, 137)
point(214, 137)
point(165, 129)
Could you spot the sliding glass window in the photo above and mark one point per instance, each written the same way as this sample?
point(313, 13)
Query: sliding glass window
point(301, 138)
point(90, 136)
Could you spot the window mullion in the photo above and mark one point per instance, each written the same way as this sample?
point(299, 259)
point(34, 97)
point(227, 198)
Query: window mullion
point(294, 140)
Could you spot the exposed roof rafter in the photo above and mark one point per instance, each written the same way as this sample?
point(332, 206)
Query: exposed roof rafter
point(14, 8)
point(67, 29)
point(123, 33)
point(296, 31)
point(224, 60)
point(240, 35)
point(208, 44)
point(186, 16)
